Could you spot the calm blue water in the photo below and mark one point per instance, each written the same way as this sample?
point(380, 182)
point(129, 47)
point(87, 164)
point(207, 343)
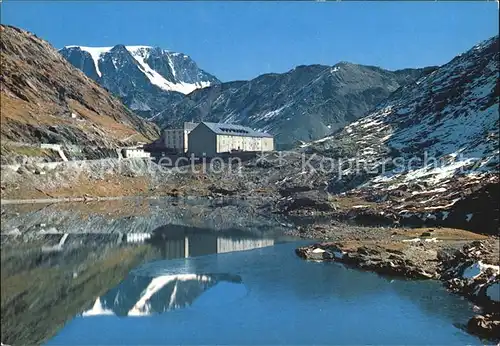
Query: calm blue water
point(267, 296)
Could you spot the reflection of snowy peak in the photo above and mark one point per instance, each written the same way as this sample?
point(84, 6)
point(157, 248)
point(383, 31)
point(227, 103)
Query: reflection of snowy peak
point(169, 292)
point(141, 296)
point(140, 74)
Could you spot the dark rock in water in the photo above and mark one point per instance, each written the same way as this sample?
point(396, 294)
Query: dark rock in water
point(487, 326)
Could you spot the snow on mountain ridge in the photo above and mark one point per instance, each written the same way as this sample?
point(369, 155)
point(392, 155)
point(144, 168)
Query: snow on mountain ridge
point(450, 115)
point(141, 54)
point(95, 53)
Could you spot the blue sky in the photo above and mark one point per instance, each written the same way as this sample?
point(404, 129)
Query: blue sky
point(240, 40)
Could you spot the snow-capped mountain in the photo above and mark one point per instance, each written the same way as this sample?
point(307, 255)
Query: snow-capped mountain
point(145, 78)
point(303, 104)
point(431, 145)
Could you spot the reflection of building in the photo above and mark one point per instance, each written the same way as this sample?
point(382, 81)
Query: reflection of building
point(206, 244)
point(212, 138)
point(177, 139)
point(177, 245)
point(228, 245)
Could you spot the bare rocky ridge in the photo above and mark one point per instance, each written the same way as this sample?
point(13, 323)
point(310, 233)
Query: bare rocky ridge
point(450, 118)
point(303, 104)
point(46, 100)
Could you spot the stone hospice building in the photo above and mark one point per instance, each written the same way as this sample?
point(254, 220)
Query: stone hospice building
point(213, 138)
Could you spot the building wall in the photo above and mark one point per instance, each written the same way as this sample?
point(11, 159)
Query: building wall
point(186, 140)
point(229, 245)
point(267, 144)
point(226, 143)
point(202, 140)
point(175, 139)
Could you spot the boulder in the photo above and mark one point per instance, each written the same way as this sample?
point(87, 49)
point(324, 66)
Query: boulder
point(487, 326)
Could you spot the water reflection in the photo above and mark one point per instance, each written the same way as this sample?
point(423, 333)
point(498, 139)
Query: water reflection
point(284, 300)
point(59, 275)
point(142, 296)
point(177, 241)
point(172, 241)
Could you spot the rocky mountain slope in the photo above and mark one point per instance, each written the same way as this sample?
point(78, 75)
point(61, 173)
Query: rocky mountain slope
point(46, 100)
point(303, 104)
point(430, 151)
point(147, 79)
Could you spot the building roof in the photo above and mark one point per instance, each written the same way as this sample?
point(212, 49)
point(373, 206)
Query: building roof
point(235, 130)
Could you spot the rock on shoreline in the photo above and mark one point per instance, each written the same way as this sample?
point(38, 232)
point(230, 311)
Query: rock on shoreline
point(379, 257)
point(471, 270)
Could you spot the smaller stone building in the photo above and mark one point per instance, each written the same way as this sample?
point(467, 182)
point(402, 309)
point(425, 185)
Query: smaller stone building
point(213, 138)
point(135, 152)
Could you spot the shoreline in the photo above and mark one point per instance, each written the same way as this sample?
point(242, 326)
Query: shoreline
point(383, 233)
point(414, 253)
point(465, 267)
point(62, 200)
point(468, 203)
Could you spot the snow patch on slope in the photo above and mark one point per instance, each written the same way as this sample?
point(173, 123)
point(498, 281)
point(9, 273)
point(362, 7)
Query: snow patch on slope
point(141, 53)
point(95, 53)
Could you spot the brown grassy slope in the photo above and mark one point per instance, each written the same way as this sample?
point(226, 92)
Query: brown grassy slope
point(45, 99)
